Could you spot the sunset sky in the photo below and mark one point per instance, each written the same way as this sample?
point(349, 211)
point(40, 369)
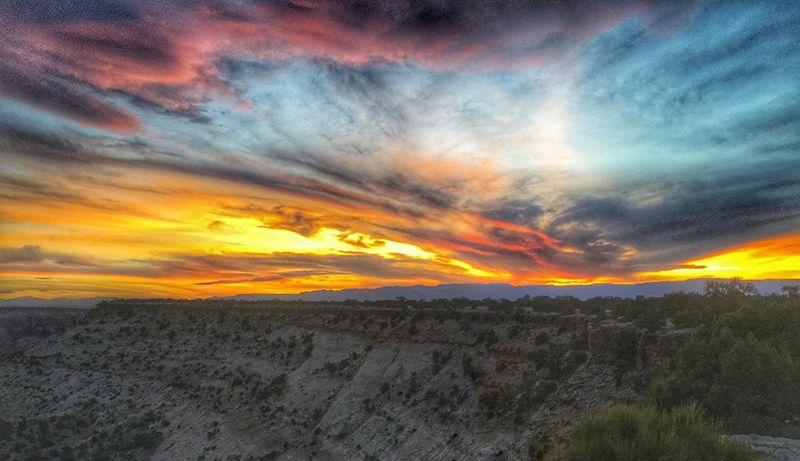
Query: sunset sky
point(173, 148)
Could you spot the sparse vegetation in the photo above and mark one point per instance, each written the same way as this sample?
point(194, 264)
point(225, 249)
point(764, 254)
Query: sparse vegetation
point(460, 366)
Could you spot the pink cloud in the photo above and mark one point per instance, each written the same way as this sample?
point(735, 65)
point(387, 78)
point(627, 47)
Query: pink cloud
point(168, 56)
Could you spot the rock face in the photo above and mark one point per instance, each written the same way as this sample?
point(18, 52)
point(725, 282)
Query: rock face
point(163, 383)
point(22, 328)
point(664, 346)
point(777, 448)
point(623, 343)
point(615, 342)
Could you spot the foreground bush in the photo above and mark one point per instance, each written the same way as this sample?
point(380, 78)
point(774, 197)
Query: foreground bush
point(642, 433)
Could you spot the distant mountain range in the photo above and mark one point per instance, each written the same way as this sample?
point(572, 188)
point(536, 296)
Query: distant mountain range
point(75, 303)
point(506, 291)
point(467, 290)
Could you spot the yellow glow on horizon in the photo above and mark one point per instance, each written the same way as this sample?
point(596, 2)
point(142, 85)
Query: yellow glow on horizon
point(125, 244)
point(776, 258)
point(197, 238)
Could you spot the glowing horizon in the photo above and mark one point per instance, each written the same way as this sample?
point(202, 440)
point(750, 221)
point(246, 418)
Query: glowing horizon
point(162, 149)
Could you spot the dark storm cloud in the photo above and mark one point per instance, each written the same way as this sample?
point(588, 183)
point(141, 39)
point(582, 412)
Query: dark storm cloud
point(473, 18)
point(694, 214)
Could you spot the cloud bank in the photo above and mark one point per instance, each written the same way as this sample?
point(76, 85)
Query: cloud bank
point(284, 145)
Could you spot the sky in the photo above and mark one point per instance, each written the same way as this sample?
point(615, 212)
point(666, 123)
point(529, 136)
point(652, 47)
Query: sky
point(190, 149)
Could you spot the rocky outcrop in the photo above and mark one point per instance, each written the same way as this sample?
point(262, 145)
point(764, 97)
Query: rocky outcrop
point(623, 343)
point(777, 448)
point(614, 342)
point(662, 350)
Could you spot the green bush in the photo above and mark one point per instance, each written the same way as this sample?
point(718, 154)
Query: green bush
point(642, 433)
point(470, 369)
point(743, 368)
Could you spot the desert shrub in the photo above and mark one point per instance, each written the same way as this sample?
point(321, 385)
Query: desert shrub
point(470, 369)
point(550, 359)
point(538, 447)
point(279, 383)
point(542, 338)
point(487, 336)
point(636, 433)
point(496, 400)
point(334, 367)
point(440, 359)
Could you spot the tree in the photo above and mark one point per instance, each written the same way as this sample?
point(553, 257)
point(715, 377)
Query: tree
point(747, 381)
point(792, 291)
point(734, 287)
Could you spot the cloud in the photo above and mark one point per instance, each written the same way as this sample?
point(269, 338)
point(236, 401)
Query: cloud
point(217, 226)
point(231, 268)
point(66, 99)
point(158, 62)
point(688, 216)
point(293, 219)
point(26, 253)
point(34, 254)
point(536, 139)
point(514, 211)
point(50, 11)
point(448, 33)
point(170, 56)
point(396, 192)
point(361, 241)
point(268, 278)
point(289, 265)
point(124, 154)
